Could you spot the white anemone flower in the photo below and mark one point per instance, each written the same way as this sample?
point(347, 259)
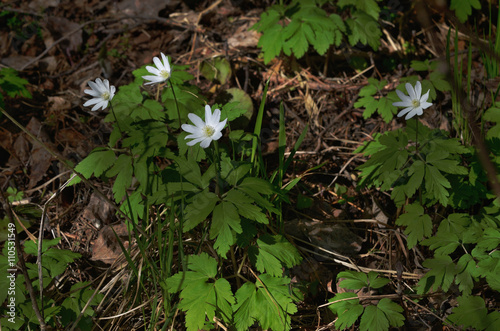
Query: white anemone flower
point(161, 72)
point(102, 94)
point(415, 103)
point(204, 132)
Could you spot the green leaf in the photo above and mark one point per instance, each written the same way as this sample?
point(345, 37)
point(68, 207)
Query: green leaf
point(465, 269)
point(374, 319)
point(463, 8)
point(418, 225)
point(97, 162)
point(436, 184)
point(268, 302)
point(348, 311)
point(245, 207)
point(443, 243)
point(369, 6)
point(354, 280)
point(123, 170)
point(441, 274)
point(363, 29)
point(470, 312)
point(200, 298)
point(225, 220)
point(374, 281)
point(198, 211)
point(392, 311)
point(273, 253)
point(493, 321)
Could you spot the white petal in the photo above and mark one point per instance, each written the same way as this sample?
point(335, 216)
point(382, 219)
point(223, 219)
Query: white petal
point(411, 91)
point(197, 121)
point(165, 62)
point(158, 64)
point(216, 136)
point(425, 105)
point(152, 79)
point(153, 70)
point(411, 114)
point(403, 96)
point(402, 104)
point(404, 111)
point(91, 102)
point(418, 90)
point(205, 143)
point(220, 126)
point(190, 128)
point(93, 93)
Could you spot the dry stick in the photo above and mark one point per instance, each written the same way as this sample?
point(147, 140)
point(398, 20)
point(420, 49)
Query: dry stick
point(20, 257)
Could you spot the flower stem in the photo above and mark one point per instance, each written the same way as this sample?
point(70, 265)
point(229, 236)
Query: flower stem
point(216, 158)
point(176, 104)
point(416, 135)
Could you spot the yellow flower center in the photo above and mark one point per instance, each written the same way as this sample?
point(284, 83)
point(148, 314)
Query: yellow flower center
point(415, 103)
point(105, 95)
point(164, 74)
point(208, 131)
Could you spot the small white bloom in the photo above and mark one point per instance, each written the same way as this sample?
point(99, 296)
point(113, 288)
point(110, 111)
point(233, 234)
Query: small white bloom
point(102, 94)
point(415, 103)
point(204, 132)
point(161, 72)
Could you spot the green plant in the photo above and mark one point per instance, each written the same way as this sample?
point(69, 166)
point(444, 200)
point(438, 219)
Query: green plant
point(292, 28)
point(58, 308)
point(218, 192)
point(12, 85)
point(347, 306)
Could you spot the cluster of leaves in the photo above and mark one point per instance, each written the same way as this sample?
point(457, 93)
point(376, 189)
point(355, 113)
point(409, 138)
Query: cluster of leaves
point(347, 306)
point(205, 294)
point(59, 310)
point(212, 191)
point(12, 85)
point(435, 171)
point(292, 28)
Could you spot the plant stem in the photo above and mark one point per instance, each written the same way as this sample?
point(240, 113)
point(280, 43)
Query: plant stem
point(416, 135)
point(176, 104)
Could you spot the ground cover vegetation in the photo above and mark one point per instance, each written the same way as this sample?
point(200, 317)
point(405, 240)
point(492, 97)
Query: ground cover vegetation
point(258, 165)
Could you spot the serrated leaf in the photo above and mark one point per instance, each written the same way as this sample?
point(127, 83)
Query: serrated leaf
point(373, 319)
point(354, 280)
point(374, 281)
point(197, 211)
point(246, 209)
point(392, 311)
point(273, 253)
point(123, 170)
point(200, 298)
point(465, 269)
point(463, 8)
point(490, 239)
point(436, 184)
point(470, 312)
point(97, 162)
point(225, 220)
point(418, 225)
point(348, 311)
point(443, 243)
point(369, 6)
point(268, 302)
point(416, 174)
point(363, 29)
point(441, 274)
